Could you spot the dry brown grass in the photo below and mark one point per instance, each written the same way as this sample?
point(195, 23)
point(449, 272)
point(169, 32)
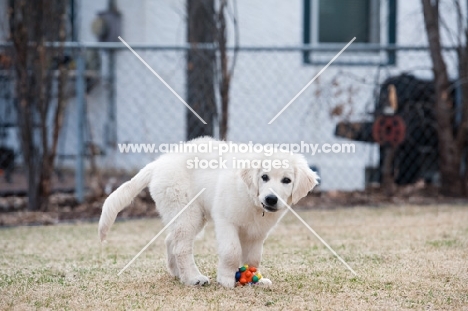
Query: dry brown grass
point(408, 257)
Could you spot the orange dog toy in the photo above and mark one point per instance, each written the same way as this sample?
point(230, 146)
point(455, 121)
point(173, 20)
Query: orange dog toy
point(247, 275)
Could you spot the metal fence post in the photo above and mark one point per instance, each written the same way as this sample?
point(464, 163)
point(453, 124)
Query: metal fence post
point(80, 102)
point(111, 122)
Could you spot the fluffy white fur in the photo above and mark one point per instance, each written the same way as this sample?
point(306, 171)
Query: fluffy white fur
point(235, 199)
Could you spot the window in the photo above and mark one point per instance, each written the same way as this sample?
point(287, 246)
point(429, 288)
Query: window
point(336, 21)
point(340, 21)
point(332, 22)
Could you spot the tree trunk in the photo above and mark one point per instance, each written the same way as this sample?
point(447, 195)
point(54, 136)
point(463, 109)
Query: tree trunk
point(463, 129)
point(201, 27)
point(449, 153)
point(32, 23)
point(225, 81)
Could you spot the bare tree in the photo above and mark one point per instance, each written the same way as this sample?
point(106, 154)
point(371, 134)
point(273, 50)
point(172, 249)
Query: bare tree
point(462, 53)
point(207, 67)
point(225, 78)
point(201, 28)
point(451, 142)
point(41, 76)
point(226, 69)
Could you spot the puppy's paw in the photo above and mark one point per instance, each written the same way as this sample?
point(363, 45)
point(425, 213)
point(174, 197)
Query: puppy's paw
point(264, 282)
point(199, 280)
point(228, 282)
point(173, 271)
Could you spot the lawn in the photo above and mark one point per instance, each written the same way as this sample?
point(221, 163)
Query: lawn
point(407, 257)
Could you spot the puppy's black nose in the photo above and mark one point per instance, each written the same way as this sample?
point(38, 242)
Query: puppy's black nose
point(271, 200)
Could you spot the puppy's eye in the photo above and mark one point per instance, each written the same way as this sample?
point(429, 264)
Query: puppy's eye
point(265, 177)
point(286, 180)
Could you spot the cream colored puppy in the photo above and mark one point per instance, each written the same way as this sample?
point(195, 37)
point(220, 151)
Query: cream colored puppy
point(238, 198)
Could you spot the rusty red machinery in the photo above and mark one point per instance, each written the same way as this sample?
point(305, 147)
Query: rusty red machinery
point(389, 129)
point(411, 129)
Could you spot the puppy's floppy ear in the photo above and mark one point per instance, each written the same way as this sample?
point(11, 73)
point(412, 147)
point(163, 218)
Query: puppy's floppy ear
point(304, 180)
point(250, 178)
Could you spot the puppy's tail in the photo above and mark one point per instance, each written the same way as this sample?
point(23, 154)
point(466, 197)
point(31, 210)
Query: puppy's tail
point(122, 197)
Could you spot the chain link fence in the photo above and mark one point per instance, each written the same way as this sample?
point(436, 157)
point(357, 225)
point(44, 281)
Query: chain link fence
point(124, 102)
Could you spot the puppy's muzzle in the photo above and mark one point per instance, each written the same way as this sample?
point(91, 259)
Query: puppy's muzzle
point(270, 203)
